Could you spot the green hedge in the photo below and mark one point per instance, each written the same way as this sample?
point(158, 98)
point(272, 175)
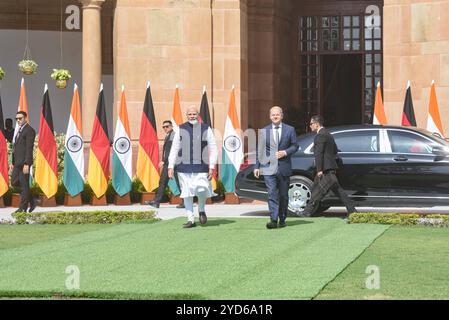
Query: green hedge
point(435, 220)
point(90, 217)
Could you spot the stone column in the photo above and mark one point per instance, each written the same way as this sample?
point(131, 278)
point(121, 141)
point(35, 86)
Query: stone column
point(91, 62)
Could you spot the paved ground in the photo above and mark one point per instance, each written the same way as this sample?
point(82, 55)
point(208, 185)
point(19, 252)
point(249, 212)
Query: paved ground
point(250, 210)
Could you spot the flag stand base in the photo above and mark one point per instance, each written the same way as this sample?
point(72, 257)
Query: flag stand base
point(209, 201)
point(122, 201)
point(47, 202)
point(175, 200)
point(70, 201)
point(102, 201)
point(147, 196)
point(231, 198)
point(2, 202)
point(15, 200)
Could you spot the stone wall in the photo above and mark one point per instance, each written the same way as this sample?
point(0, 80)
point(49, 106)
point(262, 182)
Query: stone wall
point(416, 48)
point(172, 42)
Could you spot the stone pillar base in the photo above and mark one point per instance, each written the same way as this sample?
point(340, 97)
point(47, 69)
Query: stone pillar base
point(102, 201)
point(122, 201)
point(147, 196)
point(70, 201)
point(231, 198)
point(47, 202)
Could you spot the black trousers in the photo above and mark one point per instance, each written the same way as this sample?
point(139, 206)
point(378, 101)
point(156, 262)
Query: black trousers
point(21, 182)
point(163, 182)
point(322, 186)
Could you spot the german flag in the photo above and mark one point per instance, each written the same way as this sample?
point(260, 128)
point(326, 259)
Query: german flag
point(46, 173)
point(99, 156)
point(408, 115)
point(4, 177)
point(148, 156)
point(205, 118)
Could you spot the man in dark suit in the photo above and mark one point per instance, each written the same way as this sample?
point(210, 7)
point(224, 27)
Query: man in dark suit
point(163, 165)
point(9, 130)
point(22, 160)
point(326, 156)
point(277, 143)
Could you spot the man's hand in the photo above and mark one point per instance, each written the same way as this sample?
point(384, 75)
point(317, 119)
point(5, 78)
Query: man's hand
point(256, 173)
point(161, 164)
point(281, 154)
point(11, 168)
point(171, 173)
point(26, 169)
point(211, 174)
point(319, 174)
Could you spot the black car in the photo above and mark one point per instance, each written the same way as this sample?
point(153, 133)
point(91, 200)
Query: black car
point(386, 166)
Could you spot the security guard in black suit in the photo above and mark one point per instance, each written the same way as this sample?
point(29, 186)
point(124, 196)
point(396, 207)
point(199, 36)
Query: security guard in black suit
point(163, 165)
point(22, 160)
point(326, 155)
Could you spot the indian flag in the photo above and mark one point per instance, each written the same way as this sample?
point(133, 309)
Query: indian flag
point(74, 149)
point(232, 154)
point(379, 110)
point(122, 155)
point(434, 120)
point(176, 117)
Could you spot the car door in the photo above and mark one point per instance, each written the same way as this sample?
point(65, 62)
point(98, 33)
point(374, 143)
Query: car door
point(417, 174)
point(363, 173)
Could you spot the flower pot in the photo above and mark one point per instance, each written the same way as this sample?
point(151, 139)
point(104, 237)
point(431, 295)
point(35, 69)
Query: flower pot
point(61, 84)
point(27, 70)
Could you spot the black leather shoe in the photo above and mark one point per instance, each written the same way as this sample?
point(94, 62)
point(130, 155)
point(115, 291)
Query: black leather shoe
point(153, 204)
point(180, 206)
point(189, 225)
point(20, 210)
point(272, 225)
point(282, 225)
point(203, 218)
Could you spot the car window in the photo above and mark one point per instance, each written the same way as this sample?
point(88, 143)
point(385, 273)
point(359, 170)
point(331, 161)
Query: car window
point(407, 142)
point(358, 141)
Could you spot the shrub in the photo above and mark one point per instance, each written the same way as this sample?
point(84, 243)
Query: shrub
point(91, 217)
point(2, 73)
point(400, 219)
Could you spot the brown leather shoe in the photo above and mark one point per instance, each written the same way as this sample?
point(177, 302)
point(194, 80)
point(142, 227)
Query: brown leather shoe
point(189, 224)
point(203, 218)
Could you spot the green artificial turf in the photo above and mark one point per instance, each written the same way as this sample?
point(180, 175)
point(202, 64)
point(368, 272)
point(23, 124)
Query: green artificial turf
point(226, 259)
point(413, 263)
point(12, 236)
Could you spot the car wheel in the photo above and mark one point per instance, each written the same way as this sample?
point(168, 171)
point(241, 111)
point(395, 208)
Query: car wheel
point(299, 194)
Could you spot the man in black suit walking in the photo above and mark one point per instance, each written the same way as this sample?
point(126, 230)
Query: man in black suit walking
point(22, 160)
point(326, 156)
point(277, 144)
point(163, 165)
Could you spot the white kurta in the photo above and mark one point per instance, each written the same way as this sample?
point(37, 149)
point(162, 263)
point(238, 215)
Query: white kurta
point(193, 183)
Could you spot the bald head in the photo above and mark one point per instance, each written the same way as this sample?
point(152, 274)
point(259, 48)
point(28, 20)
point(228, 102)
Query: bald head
point(276, 115)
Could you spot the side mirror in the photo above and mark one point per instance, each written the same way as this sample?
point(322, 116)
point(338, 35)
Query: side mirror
point(439, 151)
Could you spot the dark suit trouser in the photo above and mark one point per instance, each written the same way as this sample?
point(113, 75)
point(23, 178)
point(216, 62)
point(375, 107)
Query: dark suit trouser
point(163, 182)
point(337, 190)
point(21, 182)
point(277, 186)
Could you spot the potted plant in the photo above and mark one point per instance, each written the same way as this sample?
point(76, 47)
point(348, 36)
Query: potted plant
point(2, 73)
point(28, 66)
point(61, 76)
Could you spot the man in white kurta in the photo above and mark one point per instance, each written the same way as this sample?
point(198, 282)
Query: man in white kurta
point(194, 153)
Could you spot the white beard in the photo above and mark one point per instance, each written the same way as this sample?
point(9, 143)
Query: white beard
point(193, 122)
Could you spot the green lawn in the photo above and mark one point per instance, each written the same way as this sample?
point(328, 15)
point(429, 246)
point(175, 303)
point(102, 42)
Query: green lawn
point(413, 263)
point(226, 259)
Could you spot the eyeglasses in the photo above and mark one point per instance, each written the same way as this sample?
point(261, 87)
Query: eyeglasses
point(312, 123)
point(165, 127)
point(19, 118)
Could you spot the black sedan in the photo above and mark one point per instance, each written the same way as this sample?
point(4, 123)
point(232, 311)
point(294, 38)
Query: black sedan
point(384, 166)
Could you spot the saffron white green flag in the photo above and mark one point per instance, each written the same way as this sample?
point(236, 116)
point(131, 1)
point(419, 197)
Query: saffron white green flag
point(74, 150)
point(122, 155)
point(232, 155)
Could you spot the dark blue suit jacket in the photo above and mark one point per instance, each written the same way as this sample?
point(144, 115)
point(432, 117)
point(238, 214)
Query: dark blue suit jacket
point(266, 160)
